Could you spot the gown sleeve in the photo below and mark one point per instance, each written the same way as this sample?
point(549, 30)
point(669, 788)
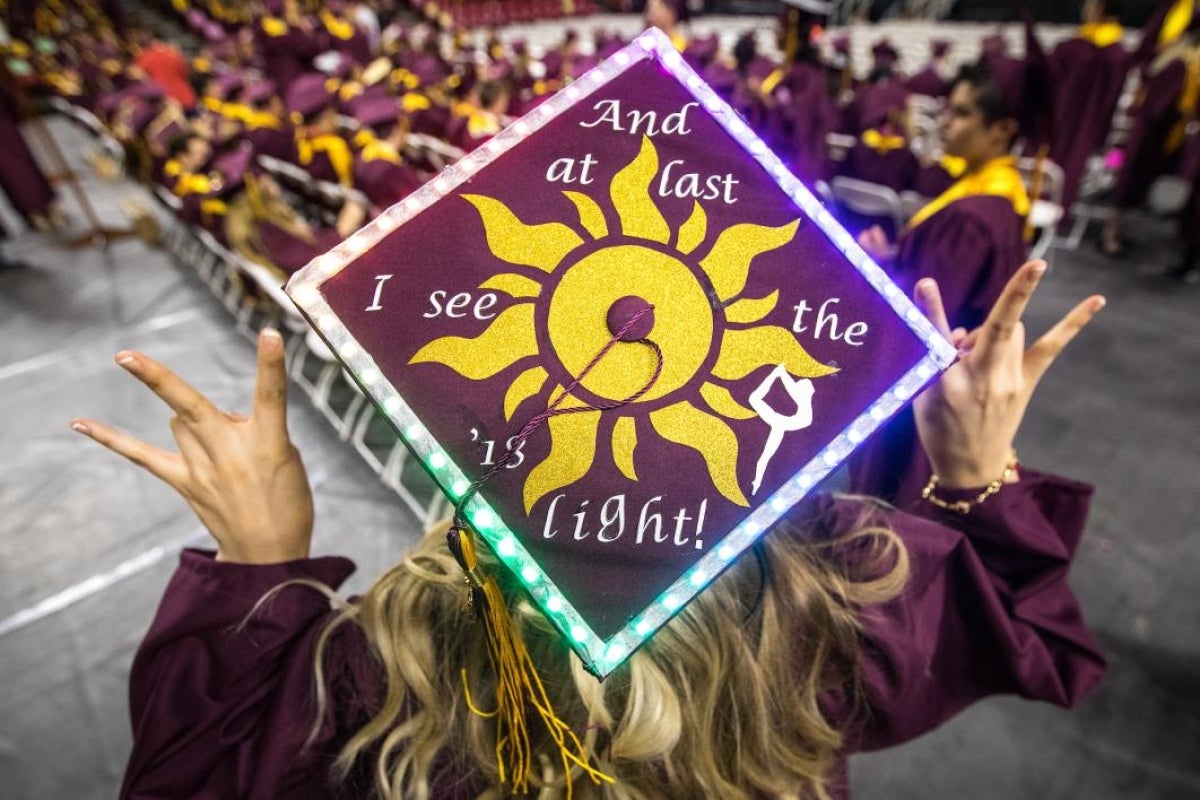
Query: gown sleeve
point(221, 699)
point(986, 610)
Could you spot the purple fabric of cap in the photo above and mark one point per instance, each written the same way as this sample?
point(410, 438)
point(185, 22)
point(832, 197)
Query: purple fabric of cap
point(260, 91)
point(378, 111)
point(885, 53)
point(502, 288)
point(308, 94)
point(938, 48)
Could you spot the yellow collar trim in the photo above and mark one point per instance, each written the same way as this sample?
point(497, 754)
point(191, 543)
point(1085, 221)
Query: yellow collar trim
point(882, 143)
point(1102, 34)
point(997, 178)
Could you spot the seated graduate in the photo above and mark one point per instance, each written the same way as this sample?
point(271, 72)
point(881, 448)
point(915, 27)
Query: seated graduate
point(967, 238)
point(184, 173)
point(882, 155)
point(266, 123)
point(858, 626)
point(264, 227)
point(380, 170)
point(312, 103)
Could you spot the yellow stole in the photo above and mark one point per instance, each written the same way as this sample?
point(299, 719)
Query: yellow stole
point(1102, 34)
point(274, 26)
point(257, 120)
point(340, 29)
point(374, 149)
point(335, 148)
point(192, 183)
point(997, 178)
point(882, 143)
point(415, 102)
point(771, 81)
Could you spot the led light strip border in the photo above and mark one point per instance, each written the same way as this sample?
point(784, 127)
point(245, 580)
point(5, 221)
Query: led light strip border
point(599, 655)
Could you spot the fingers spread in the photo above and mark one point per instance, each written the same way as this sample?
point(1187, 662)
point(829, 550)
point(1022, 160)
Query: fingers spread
point(191, 406)
point(1004, 321)
point(1041, 355)
point(929, 300)
point(270, 391)
point(165, 466)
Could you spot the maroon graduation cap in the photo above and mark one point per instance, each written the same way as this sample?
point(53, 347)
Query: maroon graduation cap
point(624, 339)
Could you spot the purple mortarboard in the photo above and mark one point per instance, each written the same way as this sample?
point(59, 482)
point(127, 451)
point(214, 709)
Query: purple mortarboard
point(259, 91)
point(885, 53)
point(610, 47)
point(228, 84)
point(274, 7)
point(993, 45)
point(938, 48)
point(553, 64)
point(681, 8)
point(233, 167)
point(308, 93)
point(841, 45)
point(378, 112)
point(519, 47)
point(624, 340)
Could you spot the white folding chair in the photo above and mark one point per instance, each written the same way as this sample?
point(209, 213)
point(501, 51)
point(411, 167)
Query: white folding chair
point(869, 199)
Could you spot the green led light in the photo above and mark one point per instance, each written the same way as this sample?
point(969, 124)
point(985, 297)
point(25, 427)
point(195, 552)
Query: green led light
point(643, 627)
point(506, 547)
point(579, 633)
point(485, 518)
point(529, 573)
point(459, 488)
point(698, 578)
point(671, 602)
point(437, 460)
point(615, 652)
point(554, 603)
point(412, 432)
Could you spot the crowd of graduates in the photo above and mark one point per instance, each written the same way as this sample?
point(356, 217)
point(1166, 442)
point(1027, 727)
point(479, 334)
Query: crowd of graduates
point(376, 96)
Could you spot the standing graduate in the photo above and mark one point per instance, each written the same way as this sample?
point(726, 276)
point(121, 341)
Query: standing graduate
point(968, 239)
point(1166, 102)
point(1089, 71)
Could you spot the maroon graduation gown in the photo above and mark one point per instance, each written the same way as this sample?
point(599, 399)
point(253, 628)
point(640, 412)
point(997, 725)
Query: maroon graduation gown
point(1087, 85)
point(971, 248)
point(1154, 118)
point(384, 182)
point(21, 179)
point(928, 82)
point(222, 702)
point(288, 251)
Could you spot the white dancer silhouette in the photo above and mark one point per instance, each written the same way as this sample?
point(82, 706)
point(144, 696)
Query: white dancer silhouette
point(799, 390)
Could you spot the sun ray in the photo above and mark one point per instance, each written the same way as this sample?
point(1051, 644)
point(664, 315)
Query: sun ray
point(716, 443)
point(743, 351)
point(728, 263)
point(540, 246)
point(721, 401)
point(512, 284)
point(630, 191)
point(524, 386)
point(624, 440)
point(572, 448)
point(693, 230)
point(509, 338)
point(749, 310)
point(590, 215)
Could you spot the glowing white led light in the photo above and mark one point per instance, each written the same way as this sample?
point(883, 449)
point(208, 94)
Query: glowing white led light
point(555, 603)
point(622, 58)
point(437, 460)
point(484, 518)
point(506, 547)
point(530, 573)
point(643, 627)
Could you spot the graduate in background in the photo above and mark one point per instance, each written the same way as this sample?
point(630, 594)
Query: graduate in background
point(311, 104)
point(931, 81)
point(968, 238)
point(1166, 102)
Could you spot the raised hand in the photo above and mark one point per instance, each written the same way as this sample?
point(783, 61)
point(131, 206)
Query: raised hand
point(241, 475)
point(968, 419)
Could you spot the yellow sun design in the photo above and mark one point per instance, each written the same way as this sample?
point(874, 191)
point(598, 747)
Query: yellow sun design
point(689, 319)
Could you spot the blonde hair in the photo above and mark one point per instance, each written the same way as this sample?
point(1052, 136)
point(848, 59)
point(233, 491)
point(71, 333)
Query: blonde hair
point(724, 701)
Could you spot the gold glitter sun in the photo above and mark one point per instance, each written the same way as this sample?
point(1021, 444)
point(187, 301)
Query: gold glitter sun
point(707, 334)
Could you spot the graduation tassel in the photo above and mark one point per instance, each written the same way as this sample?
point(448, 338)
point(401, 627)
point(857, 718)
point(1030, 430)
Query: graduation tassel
point(518, 684)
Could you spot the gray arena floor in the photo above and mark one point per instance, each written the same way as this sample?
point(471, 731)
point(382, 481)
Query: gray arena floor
point(87, 541)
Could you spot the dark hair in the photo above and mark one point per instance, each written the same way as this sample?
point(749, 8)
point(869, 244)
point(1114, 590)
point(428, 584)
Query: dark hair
point(490, 92)
point(988, 95)
point(179, 143)
point(1111, 8)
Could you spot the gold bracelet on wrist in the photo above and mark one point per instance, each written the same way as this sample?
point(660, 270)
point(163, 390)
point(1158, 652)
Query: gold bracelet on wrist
point(965, 506)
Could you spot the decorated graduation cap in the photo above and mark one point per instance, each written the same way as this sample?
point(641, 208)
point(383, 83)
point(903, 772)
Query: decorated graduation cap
point(624, 340)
